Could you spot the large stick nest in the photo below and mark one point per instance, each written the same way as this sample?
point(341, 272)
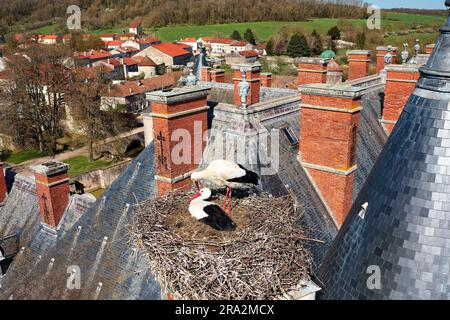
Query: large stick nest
point(264, 258)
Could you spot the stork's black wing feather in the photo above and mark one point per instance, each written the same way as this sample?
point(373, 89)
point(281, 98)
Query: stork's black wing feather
point(218, 219)
point(249, 177)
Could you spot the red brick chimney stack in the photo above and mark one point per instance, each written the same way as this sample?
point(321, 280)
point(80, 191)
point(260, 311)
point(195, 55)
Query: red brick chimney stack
point(381, 53)
point(358, 63)
point(217, 75)
point(266, 79)
point(205, 74)
point(3, 188)
point(180, 121)
point(312, 70)
point(52, 188)
point(400, 83)
point(253, 73)
point(328, 136)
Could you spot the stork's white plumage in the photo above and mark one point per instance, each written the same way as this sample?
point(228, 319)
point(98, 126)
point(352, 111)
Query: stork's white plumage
point(210, 213)
point(225, 173)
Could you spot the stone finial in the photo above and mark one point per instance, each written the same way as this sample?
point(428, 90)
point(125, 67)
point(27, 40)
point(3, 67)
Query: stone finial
point(388, 56)
point(416, 50)
point(243, 88)
point(405, 53)
point(191, 79)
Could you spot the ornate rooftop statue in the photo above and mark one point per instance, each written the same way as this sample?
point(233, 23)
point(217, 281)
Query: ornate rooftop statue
point(405, 53)
point(243, 88)
point(388, 56)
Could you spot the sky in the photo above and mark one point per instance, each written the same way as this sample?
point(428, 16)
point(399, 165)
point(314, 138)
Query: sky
point(418, 4)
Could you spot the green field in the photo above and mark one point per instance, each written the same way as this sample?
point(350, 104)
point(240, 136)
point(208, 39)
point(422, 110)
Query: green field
point(81, 164)
point(263, 30)
point(18, 157)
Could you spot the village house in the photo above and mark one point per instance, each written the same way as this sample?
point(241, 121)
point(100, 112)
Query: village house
point(170, 54)
point(238, 46)
point(108, 37)
point(218, 45)
point(192, 42)
point(49, 39)
point(130, 96)
point(113, 44)
point(136, 27)
point(113, 64)
point(246, 56)
point(89, 57)
point(126, 36)
point(149, 68)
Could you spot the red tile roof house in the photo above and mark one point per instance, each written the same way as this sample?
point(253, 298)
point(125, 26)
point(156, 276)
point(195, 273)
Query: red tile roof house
point(89, 57)
point(218, 45)
point(168, 53)
point(118, 71)
point(136, 27)
point(107, 37)
point(148, 67)
point(130, 96)
point(238, 46)
point(49, 39)
point(113, 44)
point(246, 56)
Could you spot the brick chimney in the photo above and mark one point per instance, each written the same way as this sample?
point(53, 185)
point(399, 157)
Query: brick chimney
point(52, 188)
point(312, 70)
point(205, 74)
point(218, 75)
point(253, 73)
point(400, 83)
point(429, 48)
point(358, 63)
point(266, 79)
point(381, 52)
point(3, 188)
point(328, 137)
point(179, 115)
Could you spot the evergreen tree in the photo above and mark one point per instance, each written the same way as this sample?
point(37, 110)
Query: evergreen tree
point(316, 43)
point(332, 46)
point(334, 33)
point(361, 40)
point(236, 35)
point(298, 46)
point(269, 47)
point(249, 36)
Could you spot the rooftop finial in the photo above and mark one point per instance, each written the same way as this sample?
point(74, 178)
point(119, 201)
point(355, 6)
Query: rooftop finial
point(388, 56)
point(405, 53)
point(243, 88)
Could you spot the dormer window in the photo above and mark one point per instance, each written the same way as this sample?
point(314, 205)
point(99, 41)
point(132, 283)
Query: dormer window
point(290, 135)
point(362, 212)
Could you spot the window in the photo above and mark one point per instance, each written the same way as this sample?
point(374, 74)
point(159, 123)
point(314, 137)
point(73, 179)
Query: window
point(290, 135)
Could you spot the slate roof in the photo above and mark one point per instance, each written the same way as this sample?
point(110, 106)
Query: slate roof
point(121, 269)
point(405, 230)
point(112, 268)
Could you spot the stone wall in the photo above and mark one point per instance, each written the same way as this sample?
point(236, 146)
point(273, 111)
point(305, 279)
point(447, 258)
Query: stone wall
point(102, 178)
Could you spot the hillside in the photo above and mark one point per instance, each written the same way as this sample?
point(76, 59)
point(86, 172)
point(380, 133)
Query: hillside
point(22, 15)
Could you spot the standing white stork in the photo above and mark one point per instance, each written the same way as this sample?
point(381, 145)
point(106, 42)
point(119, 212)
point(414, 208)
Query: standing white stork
point(210, 213)
point(226, 173)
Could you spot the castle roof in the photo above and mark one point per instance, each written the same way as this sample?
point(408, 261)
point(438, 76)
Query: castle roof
point(399, 225)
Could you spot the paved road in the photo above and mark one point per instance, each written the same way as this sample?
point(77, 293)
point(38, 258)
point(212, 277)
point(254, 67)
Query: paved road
point(24, 167)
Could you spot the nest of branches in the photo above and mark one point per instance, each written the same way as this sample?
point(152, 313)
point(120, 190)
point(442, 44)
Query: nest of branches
point(264, 258)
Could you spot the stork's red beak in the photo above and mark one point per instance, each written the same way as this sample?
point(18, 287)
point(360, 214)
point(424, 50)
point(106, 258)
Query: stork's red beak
point(197, 184)
point(196, 196)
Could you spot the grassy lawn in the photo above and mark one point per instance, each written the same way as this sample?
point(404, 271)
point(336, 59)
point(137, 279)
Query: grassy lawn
point(425, 38)
point(81, 164)
point(24, 155)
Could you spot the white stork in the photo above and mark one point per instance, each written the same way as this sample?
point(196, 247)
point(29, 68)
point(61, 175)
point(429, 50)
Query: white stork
point(210, 213)
point(226, 173)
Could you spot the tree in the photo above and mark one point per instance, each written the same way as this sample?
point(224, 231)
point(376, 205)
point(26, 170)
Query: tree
point(35, 93)
point(334, 33)
point(361, 40)
point(236, 35)
point(97, 121)
point(331, 45)
point(269, 48)
point(249, 36)
point(316, 43)
point(280, 48)
point(298, 46)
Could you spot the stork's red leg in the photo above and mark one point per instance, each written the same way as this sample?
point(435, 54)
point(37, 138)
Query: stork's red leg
point(230, 202)
point(225, 201)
